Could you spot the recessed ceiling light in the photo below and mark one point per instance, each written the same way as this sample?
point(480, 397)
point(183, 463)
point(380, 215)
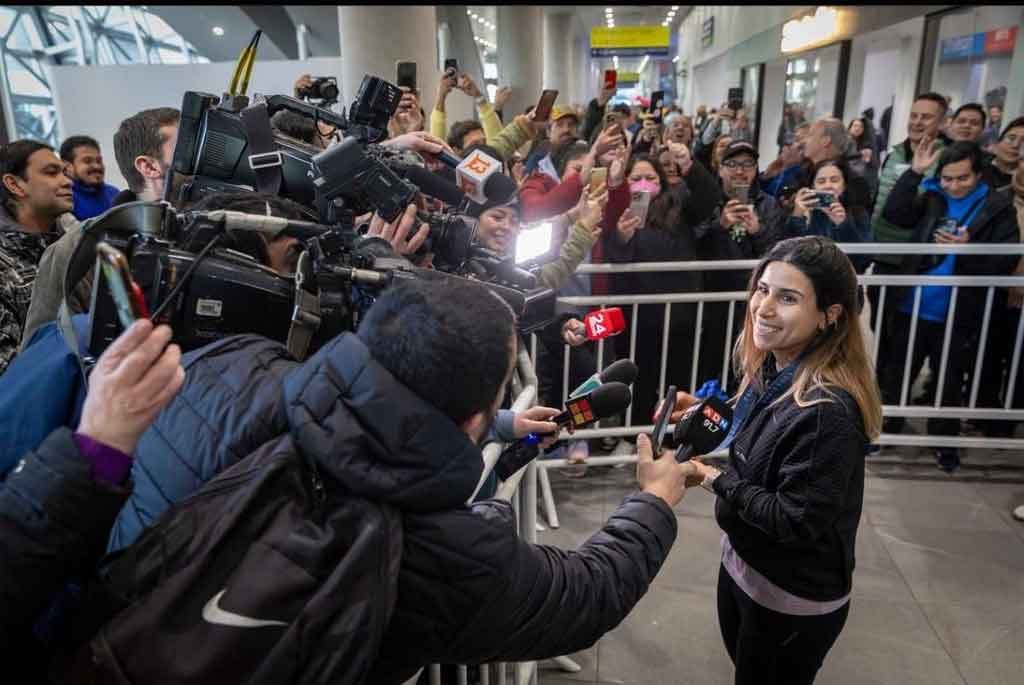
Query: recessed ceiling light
point(664, 23)
point(217, 31)
point(608, 10)
point(675, 59)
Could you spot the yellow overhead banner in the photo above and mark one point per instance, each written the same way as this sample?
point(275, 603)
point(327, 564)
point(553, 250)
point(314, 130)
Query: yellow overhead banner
point(628, 77)
point(629, 41)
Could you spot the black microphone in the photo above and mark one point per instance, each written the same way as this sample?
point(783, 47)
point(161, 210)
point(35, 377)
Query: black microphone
point(448, 159)
point(608, 400)
point(703, 428)
point(500, 188)
point(435, 186)
point(622, 371)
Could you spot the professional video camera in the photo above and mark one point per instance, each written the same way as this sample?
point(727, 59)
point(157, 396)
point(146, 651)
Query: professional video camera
point(211, 291)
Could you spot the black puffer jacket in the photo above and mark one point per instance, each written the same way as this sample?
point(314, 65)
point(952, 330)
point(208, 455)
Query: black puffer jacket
point(469, 590)
point(792, 497)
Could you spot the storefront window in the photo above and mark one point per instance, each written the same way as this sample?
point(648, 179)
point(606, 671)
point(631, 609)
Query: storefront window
point(971, 55)
point(804, 73)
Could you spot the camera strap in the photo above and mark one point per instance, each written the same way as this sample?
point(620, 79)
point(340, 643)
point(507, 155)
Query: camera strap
point(264, 156)
point(306, 314)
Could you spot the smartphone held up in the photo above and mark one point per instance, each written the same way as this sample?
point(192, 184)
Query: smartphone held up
point(126, 293)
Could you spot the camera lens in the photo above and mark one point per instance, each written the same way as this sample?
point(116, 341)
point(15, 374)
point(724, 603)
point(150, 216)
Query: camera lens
point(327, 90)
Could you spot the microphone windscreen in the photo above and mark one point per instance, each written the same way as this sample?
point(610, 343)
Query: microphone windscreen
point(705, 428)
point(499, 188)
point(622, 371)
point(434, 185)
point(610, 399)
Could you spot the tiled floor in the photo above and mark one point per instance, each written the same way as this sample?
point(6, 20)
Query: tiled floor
point(938, 591)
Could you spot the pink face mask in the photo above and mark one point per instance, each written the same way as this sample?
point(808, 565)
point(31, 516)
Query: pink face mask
point(645, 185)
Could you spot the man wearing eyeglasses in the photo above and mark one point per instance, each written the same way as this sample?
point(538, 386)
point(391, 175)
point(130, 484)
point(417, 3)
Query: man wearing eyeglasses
point(746, 224)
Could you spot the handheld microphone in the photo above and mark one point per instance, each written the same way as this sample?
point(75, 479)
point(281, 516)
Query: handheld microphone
point(435, 186)
point(608, 400)
point(479, 177)
point(604, 323)
point(703, 428)
point(623, 371)
point(448, 159)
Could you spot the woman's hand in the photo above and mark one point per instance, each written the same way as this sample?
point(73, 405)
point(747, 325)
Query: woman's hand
point(684, 401)
point(682, 155)
point(806, 200)
point(926, 154)
point(501, 96)
point(397, 232)
point(700, 472)
point(837, 213)
point(421, 142)
point(866, 155)
point(133, 380)
point(574, 332)
point(627, 225)
point(617, 169)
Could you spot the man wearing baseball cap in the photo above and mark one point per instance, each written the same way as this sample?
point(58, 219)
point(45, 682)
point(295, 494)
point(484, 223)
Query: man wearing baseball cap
point(562, 128)
point(746, 224)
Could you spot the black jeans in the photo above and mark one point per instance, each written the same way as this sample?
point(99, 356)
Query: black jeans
point(928, 343)
point(769, 648)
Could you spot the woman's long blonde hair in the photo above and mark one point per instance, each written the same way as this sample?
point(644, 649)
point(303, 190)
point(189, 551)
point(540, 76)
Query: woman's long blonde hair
point(837, 357)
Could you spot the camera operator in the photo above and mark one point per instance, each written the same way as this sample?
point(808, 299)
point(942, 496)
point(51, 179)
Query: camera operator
point(57, 506)
point(144, 148)
point(35, 206)
point(462, 583)
point(44, 388)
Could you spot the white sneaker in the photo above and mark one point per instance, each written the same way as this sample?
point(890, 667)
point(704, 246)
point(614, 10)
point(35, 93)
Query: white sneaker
point(1018, 513)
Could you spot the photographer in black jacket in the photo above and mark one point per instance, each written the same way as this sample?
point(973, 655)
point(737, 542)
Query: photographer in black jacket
point(791, 499)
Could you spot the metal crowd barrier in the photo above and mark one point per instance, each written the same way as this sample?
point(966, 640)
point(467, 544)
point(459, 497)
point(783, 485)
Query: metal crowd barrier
point(903, 409)
point(521, 489)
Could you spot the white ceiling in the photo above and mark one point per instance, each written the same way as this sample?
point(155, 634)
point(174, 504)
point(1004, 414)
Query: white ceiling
point(241, 21)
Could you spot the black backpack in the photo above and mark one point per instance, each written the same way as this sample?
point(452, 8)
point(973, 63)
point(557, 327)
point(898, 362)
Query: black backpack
point(263, 576)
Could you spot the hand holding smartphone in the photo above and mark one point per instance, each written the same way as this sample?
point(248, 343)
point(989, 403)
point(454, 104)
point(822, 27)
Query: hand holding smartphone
point(639, 203)
point(543, 110)
point(598, 176)
point(667, 405)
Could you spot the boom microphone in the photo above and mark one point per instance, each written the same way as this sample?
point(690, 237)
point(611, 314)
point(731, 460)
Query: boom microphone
point(703, 428)
point(623, 371)
point(435, 186)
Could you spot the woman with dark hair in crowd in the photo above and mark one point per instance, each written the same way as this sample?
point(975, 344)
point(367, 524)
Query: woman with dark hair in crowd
point(845, 219)
point(721, 143)
point(954, 206)
point(665, 234)
point(790, 500)
point(863, 138)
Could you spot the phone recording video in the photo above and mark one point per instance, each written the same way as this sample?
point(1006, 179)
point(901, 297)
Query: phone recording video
point(543, 110)
point(126, 293)
point(405, 73)
point(611, 78)
point(451, 67)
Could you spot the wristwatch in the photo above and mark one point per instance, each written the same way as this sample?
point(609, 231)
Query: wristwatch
point(709, 480)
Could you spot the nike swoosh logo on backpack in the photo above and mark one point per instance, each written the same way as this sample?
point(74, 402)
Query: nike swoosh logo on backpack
point(212, 613)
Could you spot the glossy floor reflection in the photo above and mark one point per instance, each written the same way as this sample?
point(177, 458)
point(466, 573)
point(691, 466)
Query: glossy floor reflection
point(938, 591)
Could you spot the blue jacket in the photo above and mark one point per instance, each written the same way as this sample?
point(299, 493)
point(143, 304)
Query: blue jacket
point(92, 201)
point(41, 391)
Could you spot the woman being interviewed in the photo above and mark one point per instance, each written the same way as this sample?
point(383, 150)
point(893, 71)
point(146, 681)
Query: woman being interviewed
point(791, 498)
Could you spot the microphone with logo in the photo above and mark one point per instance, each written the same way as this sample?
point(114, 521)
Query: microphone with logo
point(604, 323)
point(703, 428)
point(607, 400)
point(479, 177)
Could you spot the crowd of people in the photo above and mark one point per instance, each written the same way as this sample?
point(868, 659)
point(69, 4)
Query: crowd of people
point(327, 496)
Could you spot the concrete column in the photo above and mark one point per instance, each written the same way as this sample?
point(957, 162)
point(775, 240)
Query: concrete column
point(557, 54)
point(373, 38)
point(520, 54)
